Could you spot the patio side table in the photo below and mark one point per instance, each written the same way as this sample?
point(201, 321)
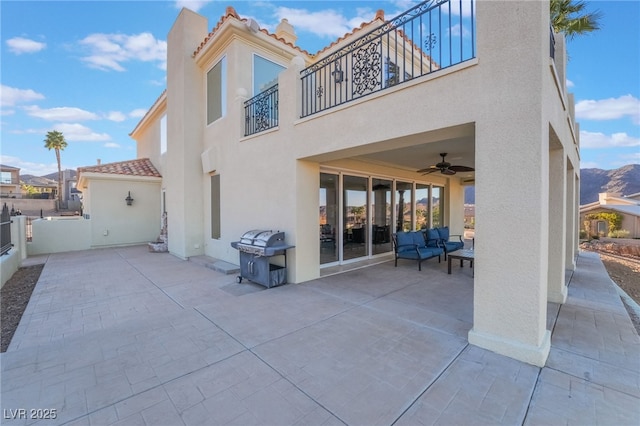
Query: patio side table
point(462, 255)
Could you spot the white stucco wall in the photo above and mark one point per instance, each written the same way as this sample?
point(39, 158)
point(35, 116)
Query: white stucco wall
point(113, 222)
point(59, 234)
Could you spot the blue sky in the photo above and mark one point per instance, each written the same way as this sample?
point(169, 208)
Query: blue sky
point(91, 69)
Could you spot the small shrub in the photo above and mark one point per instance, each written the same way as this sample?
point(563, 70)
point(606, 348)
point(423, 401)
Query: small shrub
point(595, 237)
point(583, 234)
point(619, 233)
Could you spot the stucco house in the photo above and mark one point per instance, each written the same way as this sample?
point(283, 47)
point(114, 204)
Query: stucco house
point(10, 182)
point(627, 206)
point(254, 132)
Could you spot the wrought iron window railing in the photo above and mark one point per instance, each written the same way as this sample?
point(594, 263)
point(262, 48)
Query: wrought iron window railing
point(5, 230)
point(431, 36)
point(261, 111)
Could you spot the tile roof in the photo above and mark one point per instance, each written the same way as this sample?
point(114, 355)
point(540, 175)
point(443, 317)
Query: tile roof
point(138, 167)
point(230, 12)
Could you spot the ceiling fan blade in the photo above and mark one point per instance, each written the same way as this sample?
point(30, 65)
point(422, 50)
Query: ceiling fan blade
point(428, 169)
point(462, 169)
point(448, 172)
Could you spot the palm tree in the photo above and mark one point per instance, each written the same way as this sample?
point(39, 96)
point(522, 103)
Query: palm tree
point(55, 140)
point(570, 18)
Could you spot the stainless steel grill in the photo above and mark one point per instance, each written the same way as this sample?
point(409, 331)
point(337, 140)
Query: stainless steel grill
point(256, 248)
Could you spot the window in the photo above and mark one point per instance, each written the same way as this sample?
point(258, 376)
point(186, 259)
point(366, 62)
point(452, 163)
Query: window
point(215, 207)
point(265, 74)
point(216, 91)
point(5, 177)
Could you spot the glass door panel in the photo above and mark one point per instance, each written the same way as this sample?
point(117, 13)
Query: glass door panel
point(404, 203)
point(355, 235)
point(422, 207)
point(437, 210)
point(328, 218)
point(381, 215)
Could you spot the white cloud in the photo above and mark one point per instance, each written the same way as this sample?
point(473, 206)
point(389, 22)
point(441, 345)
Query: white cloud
point(30, 168)
point(597, 140)
point(326, 23)
point(570, 83)
point(194, 5)
point(116, 116)
point(111, 51)
point(609, 109)
point(631, 158)
point(79, 133)
point(61, 114)
point(20, 45)
point(11, 96)
point(138, 113)
point(111, 145)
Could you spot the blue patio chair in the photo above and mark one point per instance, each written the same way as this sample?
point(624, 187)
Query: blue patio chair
point(449, 243)
point(413, 246)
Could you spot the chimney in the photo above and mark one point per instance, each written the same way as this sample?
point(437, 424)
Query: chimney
point(285, 31)
point(99, 161)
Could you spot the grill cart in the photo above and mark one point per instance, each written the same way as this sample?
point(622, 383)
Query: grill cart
point(256, 248)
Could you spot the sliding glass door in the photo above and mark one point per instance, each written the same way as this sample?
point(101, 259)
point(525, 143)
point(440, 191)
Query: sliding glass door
point(355, 235)
point(381, 215)
point(329, 225)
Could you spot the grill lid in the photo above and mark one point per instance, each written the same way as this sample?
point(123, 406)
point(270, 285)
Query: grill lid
point(250, 236)
point(262, 238)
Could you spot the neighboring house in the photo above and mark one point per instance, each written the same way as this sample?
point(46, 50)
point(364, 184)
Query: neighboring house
point(10, 182)
point(43, 187)
point(335, 146)
point(114, 219)
point(627, 206)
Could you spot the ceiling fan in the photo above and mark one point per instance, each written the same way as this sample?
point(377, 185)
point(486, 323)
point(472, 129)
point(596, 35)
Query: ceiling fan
point(445, 168)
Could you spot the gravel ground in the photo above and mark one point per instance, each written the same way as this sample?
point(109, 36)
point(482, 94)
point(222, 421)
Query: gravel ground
point(16, 292)
point(14, 298)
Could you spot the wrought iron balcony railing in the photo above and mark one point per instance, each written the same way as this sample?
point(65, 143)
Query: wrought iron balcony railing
point(261, 111)
point(431, 36)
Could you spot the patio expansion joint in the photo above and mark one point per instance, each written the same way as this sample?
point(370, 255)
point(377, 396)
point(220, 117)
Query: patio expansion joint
point(429, 385)
point(588, 380)
point(251, 351)
point(150, 280)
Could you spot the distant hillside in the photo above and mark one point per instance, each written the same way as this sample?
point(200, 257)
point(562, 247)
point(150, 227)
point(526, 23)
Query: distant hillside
point(625, 180)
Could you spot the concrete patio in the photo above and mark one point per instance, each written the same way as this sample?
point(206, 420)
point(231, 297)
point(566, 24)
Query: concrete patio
point(123, 336)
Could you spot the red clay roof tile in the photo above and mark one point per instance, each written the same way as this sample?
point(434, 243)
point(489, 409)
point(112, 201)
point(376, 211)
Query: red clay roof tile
point(138, 167)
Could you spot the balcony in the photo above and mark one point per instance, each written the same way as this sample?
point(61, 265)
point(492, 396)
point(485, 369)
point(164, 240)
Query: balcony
point(261, 111)
point(430, 37)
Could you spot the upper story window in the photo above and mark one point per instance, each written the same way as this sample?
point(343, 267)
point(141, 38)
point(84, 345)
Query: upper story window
point(265, 74)
point(217, 91)
point(5, 177)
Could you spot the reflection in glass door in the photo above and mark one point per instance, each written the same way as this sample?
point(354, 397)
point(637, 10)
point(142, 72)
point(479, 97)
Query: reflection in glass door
point(437, 209)
point(380, 215)
point(423, 206)
point(355, 235)
point(328, 218)
point(404, 205)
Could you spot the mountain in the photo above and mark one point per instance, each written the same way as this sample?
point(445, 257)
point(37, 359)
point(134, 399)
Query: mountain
point(625, 180)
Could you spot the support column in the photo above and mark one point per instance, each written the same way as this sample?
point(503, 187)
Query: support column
point(556, 288)
point(512, 183)
point(572, 228)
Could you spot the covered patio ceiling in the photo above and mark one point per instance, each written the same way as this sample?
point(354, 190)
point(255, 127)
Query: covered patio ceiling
point(419, 151)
